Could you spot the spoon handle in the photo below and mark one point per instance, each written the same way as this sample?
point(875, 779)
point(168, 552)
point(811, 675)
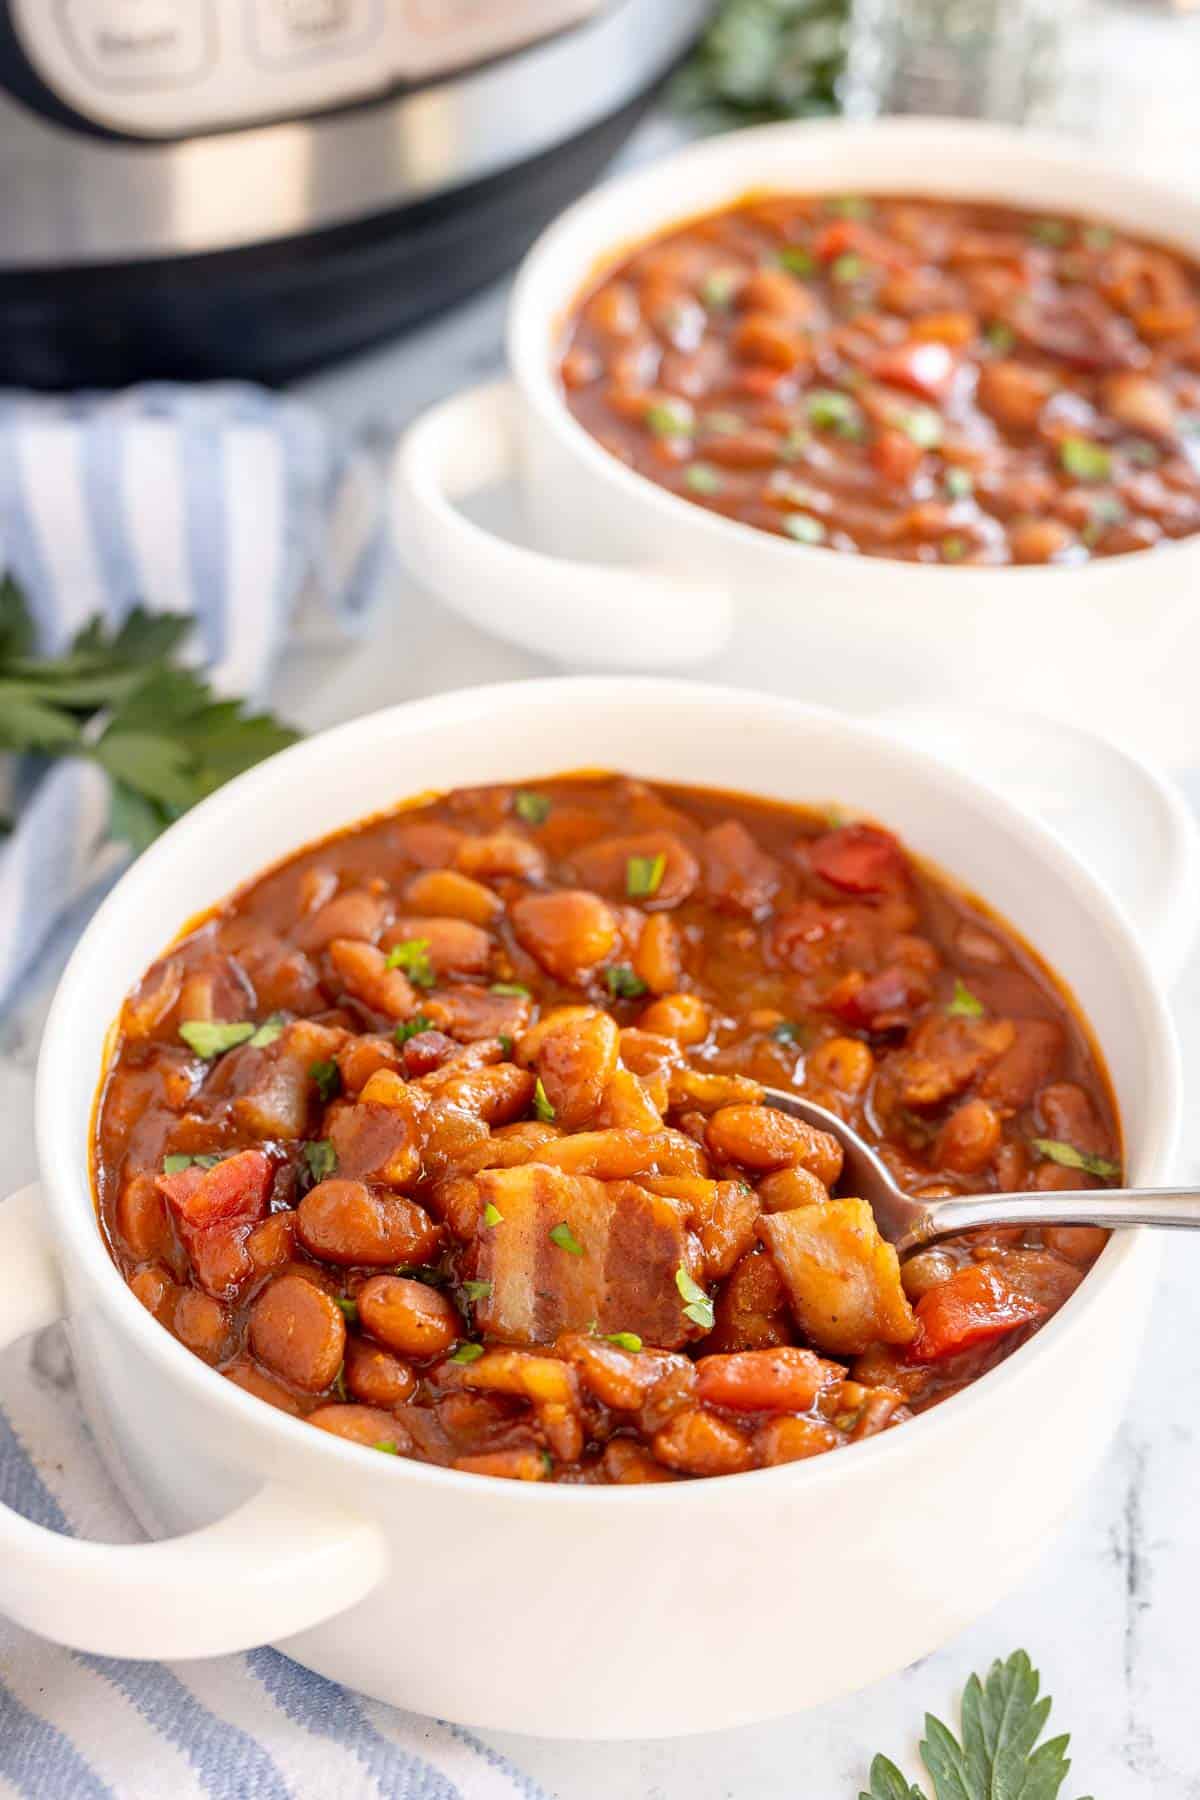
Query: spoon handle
point(1178, 1207)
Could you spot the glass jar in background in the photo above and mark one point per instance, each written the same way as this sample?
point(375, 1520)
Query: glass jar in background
point(980, 59)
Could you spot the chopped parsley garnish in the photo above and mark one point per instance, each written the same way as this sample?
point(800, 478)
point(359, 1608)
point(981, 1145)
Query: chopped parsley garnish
point(1000, 335)
point(795, 445)
point(389, 1446)
point(348, 1310)
point(622, 983)
point(696, 1304)
point(848, 206)
point(564, 1238)
point(320, 1158)
point(505, 1043)
point(702, 478)
point(413, 957)
point(1071, 1158)
point(477, 1290)
point(670, 418)
point(721, 424)
point(643, 875)
point(923, 425)
point(1050, 231)
point(954, 547)
point(718, 288)
point(466, 1353)
point(541, 1103)
point(411, 1028)
point(624, 1340)
point(830, 410)
point(1084, 460)
point(797, 260)
point(963, 1003)
point(1106, 510)
point(804, 528)
point(959, 483)
point(212, 1037)
point(533, 809)
point(847, 268)
point(787, 1032)
point(492, 1215)
point(328, 1079)
point(516, 989)
point(175, 1165)
point(422, 1272)
point(268, 1031)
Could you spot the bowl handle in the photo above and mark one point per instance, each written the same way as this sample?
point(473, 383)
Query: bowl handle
point(589, 615)
point(277, 1565)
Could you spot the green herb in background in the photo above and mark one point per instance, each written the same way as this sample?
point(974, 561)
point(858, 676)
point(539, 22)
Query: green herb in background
point(999, 1757)
point(766, 59)
point(121, 699)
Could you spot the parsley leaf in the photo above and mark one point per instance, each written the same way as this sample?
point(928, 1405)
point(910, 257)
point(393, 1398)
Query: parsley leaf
point(270, 1029)
point(348, 1309)
point(413, 957)
point(174, 1165)
point(389, 1446)
point(622, 983)
point(624, 1340)
point(541, 1103)
point(321, 1158)
point(697, 1305)
point(1002, 1720)
point(477, 1290)
point(492, 1215)
point(533, 809)
point(514, 989)
point(212, 1037)
point(412, 1028)
point(564, 1238)
point(328, 1079)
point(964, 1004)
point(466, 1353)
point(168, 741)
point(643, 875)
point(1071, 1158)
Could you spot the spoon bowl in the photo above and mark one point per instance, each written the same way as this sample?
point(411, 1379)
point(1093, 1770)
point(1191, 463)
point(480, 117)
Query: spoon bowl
point(909, 1222)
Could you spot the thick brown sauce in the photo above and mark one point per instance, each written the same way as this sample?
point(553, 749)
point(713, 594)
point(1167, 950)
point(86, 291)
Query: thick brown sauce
point(906, 1007)
point(930, 380)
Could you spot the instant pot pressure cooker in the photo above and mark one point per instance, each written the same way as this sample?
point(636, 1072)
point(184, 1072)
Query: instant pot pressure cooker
point(250, 187)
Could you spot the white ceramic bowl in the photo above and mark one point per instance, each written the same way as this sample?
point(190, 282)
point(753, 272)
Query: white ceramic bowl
point(628, 575)
point(579, 1612)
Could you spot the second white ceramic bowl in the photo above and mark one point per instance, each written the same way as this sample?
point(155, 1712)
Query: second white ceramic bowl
point(574, 1612)
point(628, 575)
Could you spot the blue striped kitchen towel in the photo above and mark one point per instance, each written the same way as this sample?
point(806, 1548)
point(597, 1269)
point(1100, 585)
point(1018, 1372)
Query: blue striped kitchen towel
point(253, 1727)
point(222, 501)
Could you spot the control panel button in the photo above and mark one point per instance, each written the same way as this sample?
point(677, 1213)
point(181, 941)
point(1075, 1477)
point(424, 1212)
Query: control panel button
point(284, 31)
point(140, 43)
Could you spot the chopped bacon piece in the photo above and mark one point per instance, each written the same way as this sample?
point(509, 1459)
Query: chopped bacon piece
point(858, 859)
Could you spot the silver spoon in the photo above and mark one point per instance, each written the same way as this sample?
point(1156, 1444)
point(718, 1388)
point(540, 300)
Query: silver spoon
point(909, 1222)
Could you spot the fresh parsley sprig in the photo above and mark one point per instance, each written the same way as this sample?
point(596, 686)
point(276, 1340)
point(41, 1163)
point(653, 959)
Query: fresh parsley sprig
point(120, 697)
point(1002, 1720)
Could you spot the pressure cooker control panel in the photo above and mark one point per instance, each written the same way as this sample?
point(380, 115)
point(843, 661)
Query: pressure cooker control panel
point(171, 68)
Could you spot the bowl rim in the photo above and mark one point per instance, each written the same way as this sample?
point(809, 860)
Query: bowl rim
point(78, 1244)
point(530, 333)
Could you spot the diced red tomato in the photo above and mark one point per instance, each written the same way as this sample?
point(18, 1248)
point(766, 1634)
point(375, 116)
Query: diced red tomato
point(975, 1306)
point(927, 369)
point(235, 1189)
point(858, 859)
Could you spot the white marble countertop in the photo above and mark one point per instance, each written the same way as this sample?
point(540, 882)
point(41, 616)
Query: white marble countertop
point(1109, 1616)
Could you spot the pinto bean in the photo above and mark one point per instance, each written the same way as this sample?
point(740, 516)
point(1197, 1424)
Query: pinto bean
point(576, 1063)
point(346, 1222)
point(569, 931)
point(369, 1426)
point(444, 893)
point(365, 974)
point(375, 1376)
point(407, 1316)
point(357, 914)
point(760, 1137)
point(845, 1064)
point(682, 1017)
point(969, 1139)
point(298, 1331)
point(453, 946)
